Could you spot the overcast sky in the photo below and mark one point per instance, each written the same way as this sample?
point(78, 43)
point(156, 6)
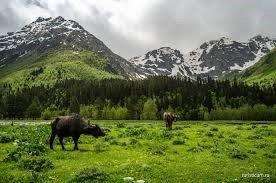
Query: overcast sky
point(133, 27)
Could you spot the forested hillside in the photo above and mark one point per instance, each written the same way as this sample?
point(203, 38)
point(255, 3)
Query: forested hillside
point(141, 99)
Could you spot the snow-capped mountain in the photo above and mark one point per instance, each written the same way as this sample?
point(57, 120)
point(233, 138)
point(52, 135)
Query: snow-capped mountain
point(46, 34)
point(163, 61)
point(213, 58)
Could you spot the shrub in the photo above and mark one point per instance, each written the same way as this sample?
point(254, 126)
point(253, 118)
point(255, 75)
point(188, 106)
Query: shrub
point(214, 129)
point(210, 134)
point(158, 149)
point(238, 154)
point(6, 138)
point(13, 156)
point(120, 124)
point(179, 141)
point(138, 132)
point(254, 137)
point(261, 145)
point(231, 140)
point(37, 178)
point(167, 134)
point(133, 141)
point(196, 149)
point(37, 164)
point(215, 150)
point(34, 149)
point(205, 145)
point(269, 155)
point(266, 132)
point(91, 175)
point(220, 135)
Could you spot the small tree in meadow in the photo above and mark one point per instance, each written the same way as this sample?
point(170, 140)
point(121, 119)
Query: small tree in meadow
point(149, 110)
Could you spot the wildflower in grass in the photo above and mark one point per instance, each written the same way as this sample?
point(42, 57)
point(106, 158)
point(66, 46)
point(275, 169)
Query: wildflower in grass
point(140, 181)
point(128, 179)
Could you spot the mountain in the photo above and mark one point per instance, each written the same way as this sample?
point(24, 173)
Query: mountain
point(48, 39)
point(263, 72)
point(163, 61)
point(214, 58)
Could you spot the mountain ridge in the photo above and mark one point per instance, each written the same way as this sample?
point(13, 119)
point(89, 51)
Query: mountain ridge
point(214, 58)
point(58, 33)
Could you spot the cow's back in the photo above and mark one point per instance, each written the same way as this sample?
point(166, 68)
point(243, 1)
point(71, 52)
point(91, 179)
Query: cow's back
point(68, 125)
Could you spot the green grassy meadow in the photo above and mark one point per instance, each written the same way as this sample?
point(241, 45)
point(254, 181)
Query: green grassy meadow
point(144, 150)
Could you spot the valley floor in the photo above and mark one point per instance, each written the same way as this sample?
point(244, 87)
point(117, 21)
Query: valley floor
point(192, 152)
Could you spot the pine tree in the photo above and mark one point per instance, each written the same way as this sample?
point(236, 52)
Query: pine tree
point(74, 105)
point(34, 109)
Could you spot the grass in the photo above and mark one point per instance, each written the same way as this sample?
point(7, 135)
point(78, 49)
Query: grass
point(191, 152)
point(263, 72)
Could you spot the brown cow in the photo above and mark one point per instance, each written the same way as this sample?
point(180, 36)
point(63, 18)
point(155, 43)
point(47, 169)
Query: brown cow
point(74, 126)
point(169, 118)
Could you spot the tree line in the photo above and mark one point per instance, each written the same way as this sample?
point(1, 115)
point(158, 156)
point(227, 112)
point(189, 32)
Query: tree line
point(141, 99)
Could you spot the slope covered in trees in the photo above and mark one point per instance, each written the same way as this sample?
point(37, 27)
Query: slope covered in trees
point(144, 99)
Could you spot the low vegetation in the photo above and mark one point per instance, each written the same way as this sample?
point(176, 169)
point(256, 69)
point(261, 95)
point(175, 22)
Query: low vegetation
point(140, 151)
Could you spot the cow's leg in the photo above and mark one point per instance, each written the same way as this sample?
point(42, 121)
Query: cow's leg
point(170, 125)
point(52, 138)
point(76, 139)
point(61, 143)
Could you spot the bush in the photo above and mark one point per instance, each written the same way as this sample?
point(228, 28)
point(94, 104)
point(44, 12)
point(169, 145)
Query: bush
point(210, 134)
point(37, 164)
point(238, 154)
point(167, 134)
point(158, 149)
point(196, 149)
point(13, 156)
point(214, 129)
point(91, 175)
point(120, 124)
point(179, 141)
point(231, 140)
point(133, 141)
point(138, 132)
point(254, 137)
point(6, 138)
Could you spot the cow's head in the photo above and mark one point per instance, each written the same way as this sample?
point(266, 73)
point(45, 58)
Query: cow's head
point(96, 131)
point(175, 117)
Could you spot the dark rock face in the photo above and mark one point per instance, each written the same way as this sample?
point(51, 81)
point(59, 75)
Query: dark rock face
point(54, 33)
point(214, 58)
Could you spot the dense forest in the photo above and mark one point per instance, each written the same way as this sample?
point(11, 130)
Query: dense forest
point(141, 99)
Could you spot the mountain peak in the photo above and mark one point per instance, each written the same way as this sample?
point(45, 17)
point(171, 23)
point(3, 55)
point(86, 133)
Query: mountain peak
point(41, 19)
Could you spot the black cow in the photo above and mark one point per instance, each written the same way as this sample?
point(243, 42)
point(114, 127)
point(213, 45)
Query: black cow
point(74, 126)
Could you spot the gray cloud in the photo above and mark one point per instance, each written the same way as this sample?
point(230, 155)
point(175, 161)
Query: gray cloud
point(132, 27)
